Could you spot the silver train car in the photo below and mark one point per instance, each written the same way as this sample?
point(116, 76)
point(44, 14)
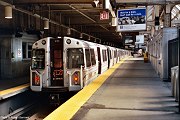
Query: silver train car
point(69, 64)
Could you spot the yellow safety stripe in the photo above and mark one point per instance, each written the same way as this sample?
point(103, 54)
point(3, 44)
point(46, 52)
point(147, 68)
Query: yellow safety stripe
point(13, 90)
point(67, 110)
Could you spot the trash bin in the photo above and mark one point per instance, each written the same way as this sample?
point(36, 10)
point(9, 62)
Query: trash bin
point(173, 81)
point(146, 57)
point(177, 83)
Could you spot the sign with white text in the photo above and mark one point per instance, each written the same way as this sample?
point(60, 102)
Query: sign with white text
point(104, 15)
point(131, 19)
point(139, 39)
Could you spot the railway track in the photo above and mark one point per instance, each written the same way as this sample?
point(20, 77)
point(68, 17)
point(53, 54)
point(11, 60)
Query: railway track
point(29, 106)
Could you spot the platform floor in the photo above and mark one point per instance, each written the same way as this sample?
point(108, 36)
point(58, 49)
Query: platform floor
point(12, 87)
point(9, 83)
point(133, 92)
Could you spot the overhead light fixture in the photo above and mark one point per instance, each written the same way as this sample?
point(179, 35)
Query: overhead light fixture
point(69, 31)
point(59, 35)
point(95, 40)
point(96, 2)
point(81, 35)
point(8, 12)
point(89, 38)
point(114, 21)
point(46, 24)
point(107, 4)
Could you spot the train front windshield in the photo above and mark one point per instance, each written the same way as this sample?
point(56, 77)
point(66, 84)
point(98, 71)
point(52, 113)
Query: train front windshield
point(38, 59)
point(75, 58)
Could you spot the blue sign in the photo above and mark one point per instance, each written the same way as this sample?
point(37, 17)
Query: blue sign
point(131, 19)
point(131, 12)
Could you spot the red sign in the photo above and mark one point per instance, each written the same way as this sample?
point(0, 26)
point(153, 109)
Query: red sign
point(104, 15)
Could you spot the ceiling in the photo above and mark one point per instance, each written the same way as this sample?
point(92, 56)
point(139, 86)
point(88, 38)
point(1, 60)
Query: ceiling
point(82, 16)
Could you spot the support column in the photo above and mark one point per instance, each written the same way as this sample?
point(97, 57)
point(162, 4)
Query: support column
point(167, 16)
point(156, 17)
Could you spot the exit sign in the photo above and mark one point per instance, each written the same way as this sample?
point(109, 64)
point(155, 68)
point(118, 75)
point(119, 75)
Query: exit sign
point(104, 15)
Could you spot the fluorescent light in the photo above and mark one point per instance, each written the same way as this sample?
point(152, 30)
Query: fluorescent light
point(89, 38)
point(69, 31)
point(114, 21)
point(8, 12)
point(46, 24)
point(81, 35)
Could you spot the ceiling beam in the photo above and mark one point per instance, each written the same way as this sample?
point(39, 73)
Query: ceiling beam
point(146, 1)
point(53, 1)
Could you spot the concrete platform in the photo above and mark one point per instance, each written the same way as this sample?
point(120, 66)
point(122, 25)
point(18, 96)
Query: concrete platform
point(133, 92)
point(11, 87)
point(9, 83)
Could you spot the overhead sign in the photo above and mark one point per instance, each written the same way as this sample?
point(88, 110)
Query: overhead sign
point(128, 40)
point(104, 15)
point(131, 19)
point(139, 39)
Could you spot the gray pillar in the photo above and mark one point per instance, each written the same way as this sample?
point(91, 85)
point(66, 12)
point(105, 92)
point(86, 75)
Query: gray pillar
point(167, 16)
point(167, 20)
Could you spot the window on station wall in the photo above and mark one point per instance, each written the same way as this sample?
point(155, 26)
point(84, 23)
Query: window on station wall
point(26, 50)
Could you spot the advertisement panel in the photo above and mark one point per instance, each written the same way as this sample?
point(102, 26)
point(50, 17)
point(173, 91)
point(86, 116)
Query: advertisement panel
point(131, 19)
point(139, 39)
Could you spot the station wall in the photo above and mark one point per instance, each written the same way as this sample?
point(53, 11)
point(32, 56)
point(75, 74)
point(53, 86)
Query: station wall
point(158, 50)
point(15, 53)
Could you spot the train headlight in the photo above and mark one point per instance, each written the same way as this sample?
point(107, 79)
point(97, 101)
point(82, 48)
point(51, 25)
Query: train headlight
point(68, 41)
point(35, 79)
point(43, 42)
point(76, 78)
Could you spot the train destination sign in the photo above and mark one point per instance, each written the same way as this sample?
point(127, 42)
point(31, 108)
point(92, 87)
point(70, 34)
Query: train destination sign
point(131, 19)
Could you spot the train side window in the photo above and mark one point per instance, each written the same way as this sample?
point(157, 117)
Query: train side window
point(93, 59)
point(110, 56)
point(75, 58)
point(115, 54)
point(104, 55)
point(88, 57)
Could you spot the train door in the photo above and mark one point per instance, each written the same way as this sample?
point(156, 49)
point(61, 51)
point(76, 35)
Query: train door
point(56, 58)
point(109, 60)
point(99, 60)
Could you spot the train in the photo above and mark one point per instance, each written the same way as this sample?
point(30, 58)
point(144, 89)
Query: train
point(69, 64)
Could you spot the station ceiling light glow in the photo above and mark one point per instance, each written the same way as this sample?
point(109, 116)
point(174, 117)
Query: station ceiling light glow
point(46, 24)
point(96, 2)
point(8, 12)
